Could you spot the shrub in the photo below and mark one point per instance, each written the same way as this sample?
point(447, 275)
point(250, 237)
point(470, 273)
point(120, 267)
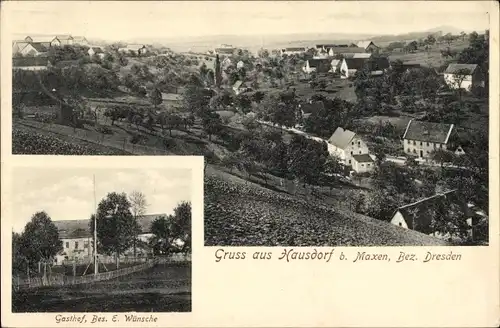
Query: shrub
point(104, 130)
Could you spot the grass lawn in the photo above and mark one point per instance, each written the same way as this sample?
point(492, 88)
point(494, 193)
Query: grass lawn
point(163, 288)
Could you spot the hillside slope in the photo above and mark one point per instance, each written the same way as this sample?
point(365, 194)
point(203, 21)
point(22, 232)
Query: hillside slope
point(239, 213)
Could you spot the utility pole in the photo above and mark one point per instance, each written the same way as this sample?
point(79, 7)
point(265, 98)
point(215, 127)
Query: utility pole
point(96, 271)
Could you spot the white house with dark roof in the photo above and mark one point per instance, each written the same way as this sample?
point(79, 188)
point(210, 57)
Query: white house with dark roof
point(18, 45)
point(418, 216)
point(34, 49)
point(80, 40)
point(96, 51)
point(344, 144)
point(317, 65)
point(362, 163)
point(77, 238)
point(463, 76)
point(421, 138)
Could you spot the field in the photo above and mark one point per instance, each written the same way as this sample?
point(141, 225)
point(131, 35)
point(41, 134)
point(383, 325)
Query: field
point(239, 212)
point(431, 58)
point(163, 288)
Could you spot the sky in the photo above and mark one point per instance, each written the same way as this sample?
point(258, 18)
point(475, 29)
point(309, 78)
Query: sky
point(118, 20)
point(68, 194)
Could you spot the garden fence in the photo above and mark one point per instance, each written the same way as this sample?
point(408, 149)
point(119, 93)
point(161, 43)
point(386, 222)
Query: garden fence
point(62, 280)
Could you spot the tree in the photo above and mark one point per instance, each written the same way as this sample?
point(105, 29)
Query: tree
point(212, 124)
point(442, 156)
point(40, 240)
point(182, 225)
point(156, 97)
point(116, 226)
point(162, 239)
point(430, 40)
point(459, 76)
point(263, 53)
point(138, 206)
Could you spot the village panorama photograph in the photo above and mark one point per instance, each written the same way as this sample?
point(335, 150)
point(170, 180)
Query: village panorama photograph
point(101, 240)
point(321, 123)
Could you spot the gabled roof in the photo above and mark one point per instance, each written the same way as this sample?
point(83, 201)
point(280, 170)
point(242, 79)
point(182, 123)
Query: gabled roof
point(456, 68)
point(41, 38)
point(64, 37)
point(363, 158)
point(80, 228)
point(30, 61)
point(341, 138)
point(335, 62)
point(227, 51)
point(355, 63)
point(327, 46)
point(364, 44)
point(79, 38)
point(428, 131)
point(416, 214)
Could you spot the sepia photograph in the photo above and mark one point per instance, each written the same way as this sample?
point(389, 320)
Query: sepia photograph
point(101, 240)
point(321, 124)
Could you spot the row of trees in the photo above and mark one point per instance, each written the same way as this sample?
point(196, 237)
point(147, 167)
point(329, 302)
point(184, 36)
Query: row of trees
point(118, 230)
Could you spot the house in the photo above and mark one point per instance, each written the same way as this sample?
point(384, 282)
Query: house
point(421, 138)
point(47, 41)
point(340, 51)
point(335, 65)
point(240, 87)
point(34, 49)
point(135, 49)
point(96, 51)
point(343, 144)
point(226, 62)
point(66, 40)
point(362, 163)
point(419, 215)
point(463, 76)
point(31, 63)
point(376, 65)
point(80, 40)
point(77, 239)
point(225, 50)
point(405, 66)
point(317, 65)
point(240, 65)
point(293, 51)
point(326, 47)
point(369, 46)
point(18, 45)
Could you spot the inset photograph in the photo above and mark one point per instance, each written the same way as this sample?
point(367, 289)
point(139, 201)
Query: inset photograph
point(101, 240)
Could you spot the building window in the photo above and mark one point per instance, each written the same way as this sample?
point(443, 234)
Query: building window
point(353, 143)
point(360, 151)
point(351, 152)
point(420, 143)
point(67, 244)
point(76, 245)
point(400, 224)
point(427, 144)
point(414, 143)
point(414, 151)
point(441, 146)
point(86, 244)
point(359, 143)
point(362, 165)
point(349, 161)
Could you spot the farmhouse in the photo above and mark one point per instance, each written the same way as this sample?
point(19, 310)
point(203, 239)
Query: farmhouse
point(34, 49)
point(343, 144)
point(30, 63)
point(240, 65)
point(66, 40)
point(421, 138)
point(340, 51)
point(317, 65)
point(96, 51)
point(293, 51)
point(463, 76)
point(419, 215)
point(376, 66)
point(80, 40)
point(240, 87)
point(335, 65)
point(18, 45)
point(78, 240)
point(48, 41)
point(369, 46)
